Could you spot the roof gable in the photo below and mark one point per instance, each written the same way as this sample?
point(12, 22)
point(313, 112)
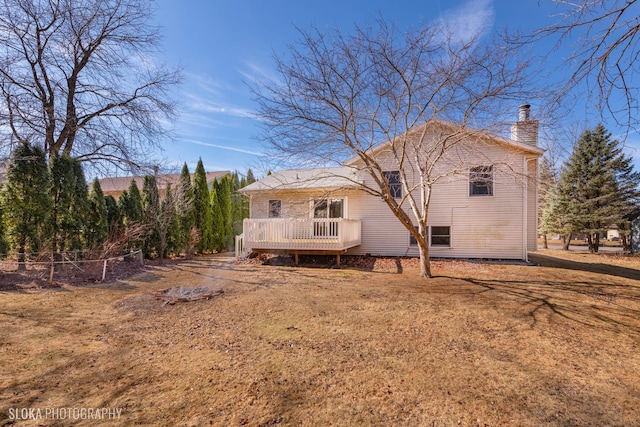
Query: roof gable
point(507, 143)
point(116, 185)
point(306, 179)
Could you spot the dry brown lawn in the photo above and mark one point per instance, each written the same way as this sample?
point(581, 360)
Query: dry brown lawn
point(479, 345)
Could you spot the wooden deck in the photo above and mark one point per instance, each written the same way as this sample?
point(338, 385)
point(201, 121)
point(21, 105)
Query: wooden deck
point(293, 235)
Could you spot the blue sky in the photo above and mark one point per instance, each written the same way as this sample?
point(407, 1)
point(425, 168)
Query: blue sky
point(221, 45)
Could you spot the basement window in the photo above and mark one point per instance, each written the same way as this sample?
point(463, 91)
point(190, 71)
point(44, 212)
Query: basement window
point(441, 236)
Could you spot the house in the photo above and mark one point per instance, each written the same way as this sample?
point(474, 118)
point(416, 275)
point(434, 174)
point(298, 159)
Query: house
point(114, 186)
point(484, 208)
point(634, 238)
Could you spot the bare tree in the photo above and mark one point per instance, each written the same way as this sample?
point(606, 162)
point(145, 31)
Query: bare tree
point(76, 77)
point(342, 96)
point(602, 36)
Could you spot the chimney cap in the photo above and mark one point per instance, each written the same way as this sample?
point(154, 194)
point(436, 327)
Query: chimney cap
point(523, 112)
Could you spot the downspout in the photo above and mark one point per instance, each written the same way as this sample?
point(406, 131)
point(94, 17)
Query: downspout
point(525, 222)
point(525, 210)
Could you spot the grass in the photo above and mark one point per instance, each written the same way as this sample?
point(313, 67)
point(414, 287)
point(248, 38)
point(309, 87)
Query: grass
point(479, 345)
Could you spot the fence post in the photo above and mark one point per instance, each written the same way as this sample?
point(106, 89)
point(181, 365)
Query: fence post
point(104, 270)
point(52, 268)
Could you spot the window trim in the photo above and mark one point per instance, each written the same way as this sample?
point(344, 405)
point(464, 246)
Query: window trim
point(477, 176)
point(397, 193)
point(431, 235)
point(345, 205)
point(271, 204)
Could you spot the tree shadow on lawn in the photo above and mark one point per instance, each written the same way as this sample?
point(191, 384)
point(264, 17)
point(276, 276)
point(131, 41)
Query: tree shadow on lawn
point(611, 306)
point(600, 268)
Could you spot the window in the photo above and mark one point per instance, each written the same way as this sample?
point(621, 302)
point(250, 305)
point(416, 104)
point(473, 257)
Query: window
point(275, 208)
point(481, 181)
point(441, 236)
point(326, 209)
point(395, 186)
point(412, 240)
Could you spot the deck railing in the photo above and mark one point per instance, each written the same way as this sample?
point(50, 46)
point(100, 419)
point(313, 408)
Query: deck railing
point(301, 234)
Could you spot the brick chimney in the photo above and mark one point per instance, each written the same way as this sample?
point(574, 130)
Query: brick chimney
point(525, 130)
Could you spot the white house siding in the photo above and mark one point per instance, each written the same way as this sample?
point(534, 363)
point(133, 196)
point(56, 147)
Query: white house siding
point(480, 226)
point(295, 203)
point(532, 205)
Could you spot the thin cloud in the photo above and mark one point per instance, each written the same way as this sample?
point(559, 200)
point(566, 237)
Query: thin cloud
point(469, 19)
point(224, 147)
point(198, 103)
point(256, 74)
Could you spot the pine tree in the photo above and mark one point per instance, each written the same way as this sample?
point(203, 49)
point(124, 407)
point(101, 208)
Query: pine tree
point(250, 178)
point(597, 187)
point(546, 192)
point(27, 204)
point(202, 209)
point(97, 230)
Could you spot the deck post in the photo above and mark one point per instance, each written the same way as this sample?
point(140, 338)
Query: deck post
point(295, 256)
point(338, 259)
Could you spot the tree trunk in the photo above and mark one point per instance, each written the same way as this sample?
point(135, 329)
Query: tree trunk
point(545, 244)
point(566, 241)
point(593, 240)
point(21, 259)
point(626, 243)
point(425, 262)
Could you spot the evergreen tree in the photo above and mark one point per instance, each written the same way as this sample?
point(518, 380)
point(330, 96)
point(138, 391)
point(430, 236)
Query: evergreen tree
point(597, 187)
point(202, 209)
point(184, 207)
point(150, 214)
point(170, 227)
point(237, 204)
point(250, 178)
point(217, 218)
point(113, 214)
point(4, 245)
point(223, 193)
point(69, 200)
point(79, 208)
point(97, 230)
point(131, 204)
point(546, 191)
point(26, 199)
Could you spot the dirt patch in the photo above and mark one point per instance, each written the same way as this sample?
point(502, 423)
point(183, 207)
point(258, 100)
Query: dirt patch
point(480, 344)
point(180, 294)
